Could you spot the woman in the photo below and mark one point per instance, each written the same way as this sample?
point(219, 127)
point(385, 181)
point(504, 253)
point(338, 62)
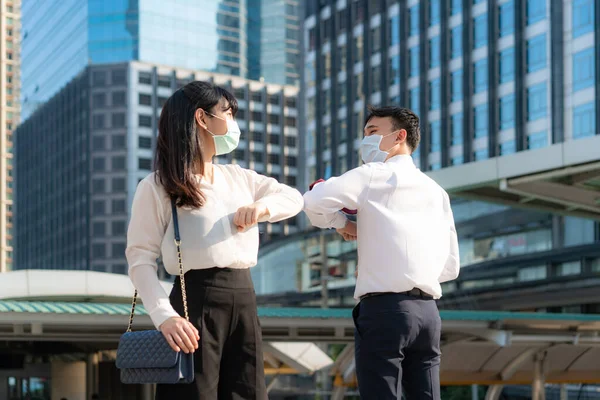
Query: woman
point(218, 208)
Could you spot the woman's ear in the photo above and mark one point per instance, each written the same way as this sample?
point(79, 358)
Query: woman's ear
point(200, 116)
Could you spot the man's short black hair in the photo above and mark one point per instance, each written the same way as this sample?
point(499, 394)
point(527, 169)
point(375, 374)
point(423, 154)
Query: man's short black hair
point(402, 118)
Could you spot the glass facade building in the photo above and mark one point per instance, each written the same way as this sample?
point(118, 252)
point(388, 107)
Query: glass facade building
point(488, 79)
point(60, 39)
point(87, 148)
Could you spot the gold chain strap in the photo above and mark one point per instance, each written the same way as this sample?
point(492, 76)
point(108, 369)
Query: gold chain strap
point(181, 280)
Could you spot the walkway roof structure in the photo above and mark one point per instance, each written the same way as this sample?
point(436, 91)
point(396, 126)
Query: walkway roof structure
point(563, 178)
point(477, 346)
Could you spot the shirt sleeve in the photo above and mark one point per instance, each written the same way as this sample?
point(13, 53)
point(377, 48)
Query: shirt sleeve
point(452, 266)
point(281, 200)
point(323, 203)
point(147, 227)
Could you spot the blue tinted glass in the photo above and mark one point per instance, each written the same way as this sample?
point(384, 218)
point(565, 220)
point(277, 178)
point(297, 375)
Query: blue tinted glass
point(480, 31)
point(507, 18)
point(434, 12)
point(507, 65)
point(435, 94)
point(536, 53)
point(457, 85)
point(583, 69)
point(414, 20)
point(457, 129)
point(414, 61)
point(457, 160)
point(508, 147)
point(395, 30)
point(507, 112)
point(478, 1)
point(536, 11)
point(414, 100)
point(537, 102)
point(481, 154)
point(436, 166)
point(457, 41)
point(537, 140)
point(456, 6)
point(481, 76)
point(583, 17)
point(394, 70)
point(436, 136)
point(584, 120)
point(481, 120)
point(113, 30)
point(434, 52)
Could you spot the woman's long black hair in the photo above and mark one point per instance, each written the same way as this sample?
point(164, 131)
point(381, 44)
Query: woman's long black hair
point(179, 146)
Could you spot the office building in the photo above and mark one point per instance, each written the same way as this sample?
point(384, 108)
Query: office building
point(61, 38)
point(508, 94)
point(81, 155)
point(10, 20)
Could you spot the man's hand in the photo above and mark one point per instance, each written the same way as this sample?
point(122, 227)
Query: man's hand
point(348, 232)
point(247, 216)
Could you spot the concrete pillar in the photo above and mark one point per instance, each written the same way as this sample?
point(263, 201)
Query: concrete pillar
point(474, 392)
point(538, 386)
point(92, 375)
point(68, 380)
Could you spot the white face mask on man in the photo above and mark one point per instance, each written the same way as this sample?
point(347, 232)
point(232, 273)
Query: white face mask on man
point(370, 151)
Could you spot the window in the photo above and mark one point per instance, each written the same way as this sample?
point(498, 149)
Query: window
point(376, 79)
point(436, 136)
point(507, 112)
point(435, 94)
point(481, 120)
point(98, 207)
point(414, 61)
point(456, 6)
point(457, 129)
point(257, 116)
point(98, 250)
point(480, 31)
point(414, 20)
point(274, 99)
point(537, 140)
point(375, 40)
point(394, 30)
point(569, 268)
point(434, 52)
point(98, 143)
point(508, 147)
point(118, 99)
point(434, 12)
point(144, 99)
point(274, 139)
point(536, 53)
point(118, 250)
point(99, 100)
point(118, 142)
point(537, 102)
point(164, 81)
point(415, 100)
point(507, 65)
point(583, 69)
point(273, 119)
point(98, 121)
point(583, 17)
point(584, 121)
point(144, 164)
point(145, 121)
point(98, 164)
point(457, 160)
point(481, 75)
point(536, 11)
point(457, 85)
point(118, 184)
point(532, 273)
point(507, 18)
point(119, 77)
point(457, 41)
point(118, 120)
point(99, 78)
point(118, 228)
point(99, 229)
point(118, 163)
point(394, 71)
point(481, 154)
point(144, 142)
point(98, 185)
point(145, 78)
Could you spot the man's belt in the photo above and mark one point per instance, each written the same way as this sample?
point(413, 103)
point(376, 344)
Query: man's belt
point(415, 292)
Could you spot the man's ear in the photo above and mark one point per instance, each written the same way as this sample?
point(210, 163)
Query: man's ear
point(200, 116)
point(401, 136)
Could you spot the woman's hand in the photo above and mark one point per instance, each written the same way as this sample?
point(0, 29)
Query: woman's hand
point(248, 216)
point(180, 334)
point(348, 232)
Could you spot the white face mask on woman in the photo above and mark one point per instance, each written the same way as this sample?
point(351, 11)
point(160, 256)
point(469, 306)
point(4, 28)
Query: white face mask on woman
point(228, 142)
point(370, 151)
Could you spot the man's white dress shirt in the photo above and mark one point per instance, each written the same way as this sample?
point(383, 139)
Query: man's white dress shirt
point(406, 234)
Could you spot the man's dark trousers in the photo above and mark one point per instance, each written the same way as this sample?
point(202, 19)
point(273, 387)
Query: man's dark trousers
point(397, 341)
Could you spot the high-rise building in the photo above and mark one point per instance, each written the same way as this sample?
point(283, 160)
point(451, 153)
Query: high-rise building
point(81, 155)
point(60, 38)
point(10, 34)
point(508, 94)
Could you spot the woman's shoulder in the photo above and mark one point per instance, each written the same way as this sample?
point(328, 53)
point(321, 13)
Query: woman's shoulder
point(152, 182)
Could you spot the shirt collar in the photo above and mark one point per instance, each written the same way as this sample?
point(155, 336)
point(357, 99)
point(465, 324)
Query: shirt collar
point(402, 159)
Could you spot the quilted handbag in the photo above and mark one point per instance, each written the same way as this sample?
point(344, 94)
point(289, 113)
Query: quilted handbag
point(145, 356)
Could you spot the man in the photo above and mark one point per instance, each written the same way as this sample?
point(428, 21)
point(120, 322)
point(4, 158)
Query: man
point(407, 246)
